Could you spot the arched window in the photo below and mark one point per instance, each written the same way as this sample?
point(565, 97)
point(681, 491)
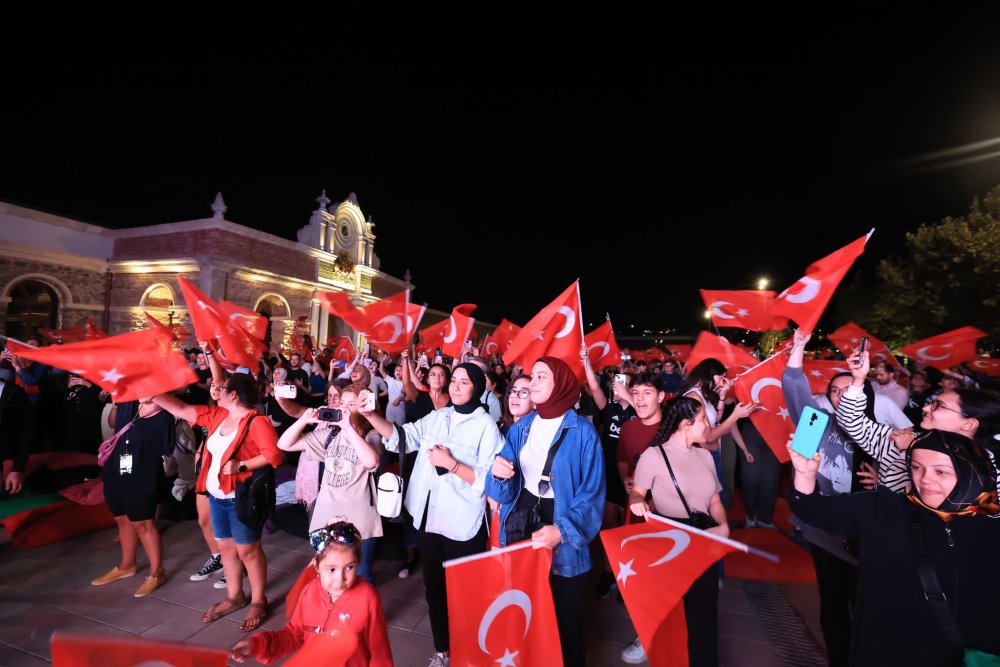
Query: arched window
point(33, 305)
point(271, 306)
point(157, 297)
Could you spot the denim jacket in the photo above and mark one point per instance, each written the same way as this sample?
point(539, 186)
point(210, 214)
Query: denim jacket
point(577, 483)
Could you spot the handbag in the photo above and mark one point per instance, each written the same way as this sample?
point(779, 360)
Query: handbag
point(698, 519)
point(108, 446)
point(522, 522)
point(390, 495)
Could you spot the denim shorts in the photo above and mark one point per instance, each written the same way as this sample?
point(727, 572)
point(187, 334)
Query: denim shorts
point(226, 525)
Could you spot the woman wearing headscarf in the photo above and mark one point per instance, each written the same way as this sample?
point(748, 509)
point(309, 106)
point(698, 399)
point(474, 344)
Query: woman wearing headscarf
point(455, 447)
point(926, 590)
point(563, 510)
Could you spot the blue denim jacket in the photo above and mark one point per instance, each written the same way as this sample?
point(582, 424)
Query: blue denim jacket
point(577, 483)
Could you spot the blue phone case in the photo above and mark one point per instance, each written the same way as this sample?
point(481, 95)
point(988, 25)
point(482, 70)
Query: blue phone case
point(809, 432)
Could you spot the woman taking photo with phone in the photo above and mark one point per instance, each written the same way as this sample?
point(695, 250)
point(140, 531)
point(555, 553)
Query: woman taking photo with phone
point(350, 451)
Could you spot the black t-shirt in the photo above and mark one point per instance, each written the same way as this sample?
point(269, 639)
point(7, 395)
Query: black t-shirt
point(299, 375)
point(613, 416)
point(195, 394)
point(148, 440)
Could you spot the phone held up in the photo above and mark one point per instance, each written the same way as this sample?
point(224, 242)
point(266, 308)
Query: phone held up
point(328, 415)
point(809, 431)
point(862, 348)
point(621, 379)
point(284, 391)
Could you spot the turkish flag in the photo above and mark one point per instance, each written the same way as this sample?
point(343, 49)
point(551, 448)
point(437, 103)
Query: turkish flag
point(712, 346)
point(848, 337)
point(805, 301)
point(657, 353)
point(820, 372)
point(681, 352)
point(450, 335)
point(231, 330)
point(130, 365)
point(745, 309)
point(176, 331)
point(945, 350)
point(74, 334)
point(500, 609)
point(72, 650)
point(638, 355)
point(985, 366)
point(343, 349)
point(388, 323)
point(501, 338)
point(762, 385)
point(602, 348)
point(556, 331)
point(655, 563)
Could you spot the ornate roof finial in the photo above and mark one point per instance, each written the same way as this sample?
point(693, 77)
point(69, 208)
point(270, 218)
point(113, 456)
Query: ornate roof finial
point(407, 277)
point(323, 201)
point(352, 198)
point(219, 207)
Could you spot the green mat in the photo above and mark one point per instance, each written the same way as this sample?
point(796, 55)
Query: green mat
point(27, 500)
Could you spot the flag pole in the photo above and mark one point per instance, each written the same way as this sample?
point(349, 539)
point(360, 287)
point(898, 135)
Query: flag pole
point(486, 554)
point(579, 300)
point(745, 548)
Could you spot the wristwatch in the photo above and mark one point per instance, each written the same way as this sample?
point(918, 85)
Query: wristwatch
point(242, 467)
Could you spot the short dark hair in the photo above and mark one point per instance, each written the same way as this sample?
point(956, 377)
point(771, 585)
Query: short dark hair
point(245, 386)
point(654, 380)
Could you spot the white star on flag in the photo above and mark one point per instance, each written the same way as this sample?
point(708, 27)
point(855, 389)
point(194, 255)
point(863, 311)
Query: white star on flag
point(112, 376)
point(625, 571)
point(742, 312)
point(508, 658)
point(816, 374)
point(783, 412)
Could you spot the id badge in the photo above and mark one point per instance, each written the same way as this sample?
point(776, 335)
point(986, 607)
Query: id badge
point(125, 464)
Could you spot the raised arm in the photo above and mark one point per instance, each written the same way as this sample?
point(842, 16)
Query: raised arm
point(600, 400)
point(177, 407)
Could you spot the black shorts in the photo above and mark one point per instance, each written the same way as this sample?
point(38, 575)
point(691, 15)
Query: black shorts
point(136, 499)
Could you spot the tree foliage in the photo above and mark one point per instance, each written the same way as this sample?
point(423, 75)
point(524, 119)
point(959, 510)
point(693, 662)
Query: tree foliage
point(946, 276)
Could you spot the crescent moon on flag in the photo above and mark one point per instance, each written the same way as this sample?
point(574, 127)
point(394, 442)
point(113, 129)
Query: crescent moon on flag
point(570, 321)
point(810, 288)
point(409, 323)
point(982, 363)
point(205, 306)
point(718, 313)
point(681, 538)
point(604, 346)
point(759, 385)
point(929, 357)
point(397, 329)
point(490, 346)
point(511, 598)
point(452, 330)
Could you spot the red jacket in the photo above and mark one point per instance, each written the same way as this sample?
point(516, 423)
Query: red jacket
point(358, 610)
point(261, 438)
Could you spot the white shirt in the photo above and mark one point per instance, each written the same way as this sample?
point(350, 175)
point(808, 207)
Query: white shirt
point(541, 437)
point(893, 391)
point(217, 445)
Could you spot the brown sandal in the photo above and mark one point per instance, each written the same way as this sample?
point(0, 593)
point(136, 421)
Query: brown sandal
point(258, 612)
point(227, 606)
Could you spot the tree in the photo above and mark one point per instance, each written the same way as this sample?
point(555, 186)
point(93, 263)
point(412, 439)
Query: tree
point(946, 276)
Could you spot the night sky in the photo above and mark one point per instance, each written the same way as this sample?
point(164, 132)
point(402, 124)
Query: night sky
point(695, 160)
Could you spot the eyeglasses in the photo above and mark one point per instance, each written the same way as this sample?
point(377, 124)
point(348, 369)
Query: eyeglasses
point(520, 393)
point(340, 532)
point(936, 403)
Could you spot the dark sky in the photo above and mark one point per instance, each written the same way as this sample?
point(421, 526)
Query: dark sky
point(499, 169)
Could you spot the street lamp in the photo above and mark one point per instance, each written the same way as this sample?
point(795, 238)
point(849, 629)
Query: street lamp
point(762, 284)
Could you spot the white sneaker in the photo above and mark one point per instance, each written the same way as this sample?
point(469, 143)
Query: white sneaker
point(751, 523)
point(764, 524)
point(634, 653)
point(439, 660)
point(221, 583)
point(211, 566)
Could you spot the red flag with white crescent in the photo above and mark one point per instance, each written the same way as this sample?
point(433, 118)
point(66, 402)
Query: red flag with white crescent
point(945, 350)
point(556, 331)
point(821, 371)
point(77, 650)
point(805, 300)
point(231, 330)
point(457, 331)
point(745, 309)
point(385, 323)
point(848, 337)
point(712, 346)
point(602, 348)
point(680, 352)
point(762, 385)
point(500, 609)
point(985, 366)
point(501, 338)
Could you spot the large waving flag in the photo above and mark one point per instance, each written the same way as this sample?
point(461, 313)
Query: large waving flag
point(556, 331)
point(501, 338)
point(233, 332)
point(77, 650)
point(821, 371)
point(74, 334)
point(602, 348)
point(500, 608)
point(655, 564)
point(945, 350)
point(712, 346)
point(343, 349)
point(848, 337)
point(805, 301)
point(128, 366)
point(680, 352)
point(762, 385)
point(450, 335)
point(746, 309)
point(388, 323)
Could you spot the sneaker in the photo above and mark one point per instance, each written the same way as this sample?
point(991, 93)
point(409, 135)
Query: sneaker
point(114, 575)
point(764, 524)
point(634, 653)
point(150, 585)
point(605, 585)
point(409, 568)
point(221, 583)
point(211, 566)
point(439, 660)
point(751, 523)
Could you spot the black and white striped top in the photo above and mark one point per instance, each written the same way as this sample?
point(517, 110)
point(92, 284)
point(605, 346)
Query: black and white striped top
point(873, 438)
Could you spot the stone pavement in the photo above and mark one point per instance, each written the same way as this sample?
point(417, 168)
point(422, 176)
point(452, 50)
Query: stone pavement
point(48, 589)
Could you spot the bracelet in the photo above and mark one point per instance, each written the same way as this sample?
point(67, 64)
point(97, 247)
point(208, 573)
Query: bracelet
point(455, 467)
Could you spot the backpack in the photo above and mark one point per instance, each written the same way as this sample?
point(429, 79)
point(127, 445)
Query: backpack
point(390, 495)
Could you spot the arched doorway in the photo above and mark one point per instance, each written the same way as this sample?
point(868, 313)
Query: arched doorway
point(33, 306)
point(273, 307)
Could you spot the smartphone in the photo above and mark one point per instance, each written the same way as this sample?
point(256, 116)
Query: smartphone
point(328, 415)
point(369, 402)
point(862, 348)
point(621, 378)
point(809, 431)
point(284, 391)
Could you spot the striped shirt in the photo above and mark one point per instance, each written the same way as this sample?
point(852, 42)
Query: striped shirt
point(873, 438)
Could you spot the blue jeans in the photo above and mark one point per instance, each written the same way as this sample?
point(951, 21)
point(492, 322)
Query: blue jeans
point(226, 525)
point(367, 558)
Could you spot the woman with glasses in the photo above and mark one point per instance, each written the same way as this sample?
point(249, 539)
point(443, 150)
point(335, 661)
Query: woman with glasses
point(237, 444)
point(517, 403)
point(454, 449)
point(549, 481)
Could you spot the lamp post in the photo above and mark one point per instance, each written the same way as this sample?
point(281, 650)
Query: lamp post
point(762, 284)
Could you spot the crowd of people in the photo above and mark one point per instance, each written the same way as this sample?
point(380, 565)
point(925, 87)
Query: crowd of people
point(895, 507)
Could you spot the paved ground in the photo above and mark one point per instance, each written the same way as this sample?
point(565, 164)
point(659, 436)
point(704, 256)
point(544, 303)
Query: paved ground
point(46, 589)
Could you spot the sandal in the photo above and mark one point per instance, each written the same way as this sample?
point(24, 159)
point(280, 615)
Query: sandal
point(227, 606)
point(258, 612)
